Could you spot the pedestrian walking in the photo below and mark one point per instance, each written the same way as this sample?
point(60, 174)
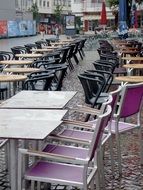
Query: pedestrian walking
point(57, 31)
point(42, 31)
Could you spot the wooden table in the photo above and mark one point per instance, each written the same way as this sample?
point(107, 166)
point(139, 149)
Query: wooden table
point(21, 70)
point(39, 100)
point(130, 68)
point(67, 40)
point(133, 58)
point(12, 79)
point(42, 50)
point(130, 79)
point(127, 59)
point(58, 43)
point(133, 66)
point(130, 52)
point(29, 55)
point(16, 62)
point(52, 47)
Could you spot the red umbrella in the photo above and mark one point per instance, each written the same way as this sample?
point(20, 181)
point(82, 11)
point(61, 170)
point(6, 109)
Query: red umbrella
point(103, 20)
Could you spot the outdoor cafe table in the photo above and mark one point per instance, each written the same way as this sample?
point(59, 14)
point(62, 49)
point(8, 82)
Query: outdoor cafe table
point(130, 79)
point(59, 43)
point(42, 50)
point(29, 55)
point(32, 114)
point(16, 62)
point(129, 58)
point(39, 100)
point(133, 66)
point(21, 70)
point(12, 79)
point(52, 47)
point(26, 125)
point(130, 67)
point(128, 52)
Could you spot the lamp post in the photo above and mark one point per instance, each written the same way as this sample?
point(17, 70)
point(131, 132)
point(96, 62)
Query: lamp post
point(123, 28)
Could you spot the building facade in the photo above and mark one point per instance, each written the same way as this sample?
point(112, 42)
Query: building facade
point(7, 9)
point(89, 11)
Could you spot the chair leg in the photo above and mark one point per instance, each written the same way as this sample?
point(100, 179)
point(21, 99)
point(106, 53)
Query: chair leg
point(38, 185)
point(111, 155)
point(119, 153)
point(76, 59)
point(98, 180)
point(141, 145)
point(80, 54)
point(102, 167)
point(7, 159)
point(32, 185)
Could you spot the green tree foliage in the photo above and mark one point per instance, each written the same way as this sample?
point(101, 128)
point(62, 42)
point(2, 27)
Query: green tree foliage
point(35, 11)
point(58, 14)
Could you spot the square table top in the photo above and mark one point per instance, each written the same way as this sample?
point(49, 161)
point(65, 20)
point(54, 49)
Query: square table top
point(27, 129)
point(28, 123)
point(32, 114)
point(39, 100)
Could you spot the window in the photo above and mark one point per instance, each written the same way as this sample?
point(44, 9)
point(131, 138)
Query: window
point(69, 3)
point(44, 3)
point(60, 2)
point(40, 3)
point(47, 3)
point(64, 2)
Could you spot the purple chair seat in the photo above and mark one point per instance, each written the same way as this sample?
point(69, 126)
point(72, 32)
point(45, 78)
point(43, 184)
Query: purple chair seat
point(75, 152)
point(84, 135)
point(79, 134)
point(58, 171)
point(122, 126)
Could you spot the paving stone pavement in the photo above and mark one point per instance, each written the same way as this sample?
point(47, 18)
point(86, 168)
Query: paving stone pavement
point(132, 178)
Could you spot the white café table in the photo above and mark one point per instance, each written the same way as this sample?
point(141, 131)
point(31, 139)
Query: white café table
point(39, 100)
point(27, 125)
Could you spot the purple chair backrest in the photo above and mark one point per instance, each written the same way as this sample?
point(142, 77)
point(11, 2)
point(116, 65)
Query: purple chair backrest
point(131, 100)
point(102, 122)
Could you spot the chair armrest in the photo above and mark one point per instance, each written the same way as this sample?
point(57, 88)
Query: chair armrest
point(78, 123)
point(87, 110)
point(51, 156)
point(68, 139)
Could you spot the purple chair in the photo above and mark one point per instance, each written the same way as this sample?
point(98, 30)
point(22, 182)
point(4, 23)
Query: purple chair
point(76, 135)
point(130, 104)
point(74, 169)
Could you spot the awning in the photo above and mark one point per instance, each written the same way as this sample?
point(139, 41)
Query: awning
point(97, 17)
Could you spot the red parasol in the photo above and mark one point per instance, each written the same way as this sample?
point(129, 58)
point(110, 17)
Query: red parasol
point(103, 20)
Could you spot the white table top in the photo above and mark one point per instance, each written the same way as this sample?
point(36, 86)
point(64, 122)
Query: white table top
point(27, 129)
point(31, 114)
point(39, 100)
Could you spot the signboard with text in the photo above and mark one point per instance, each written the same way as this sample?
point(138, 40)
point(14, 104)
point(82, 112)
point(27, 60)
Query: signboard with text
point(70, 22)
